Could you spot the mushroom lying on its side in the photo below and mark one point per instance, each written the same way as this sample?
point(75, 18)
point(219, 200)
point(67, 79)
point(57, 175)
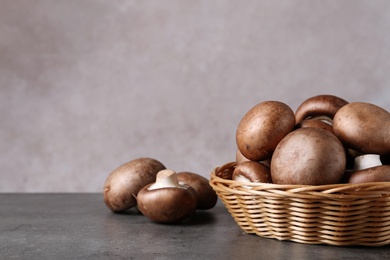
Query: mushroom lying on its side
point(166, 200)
point(318, 111)
point(369, 168)
point(321, 105)
point(124, 183)
point(251, 171)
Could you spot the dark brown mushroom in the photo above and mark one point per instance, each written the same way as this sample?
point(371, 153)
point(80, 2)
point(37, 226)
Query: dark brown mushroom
point(369, 168)
point(251, 171)
point(320, 105)
point(166, 200)
point(374, 174)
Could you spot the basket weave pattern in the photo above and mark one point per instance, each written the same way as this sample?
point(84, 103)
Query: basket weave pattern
point(339, 214)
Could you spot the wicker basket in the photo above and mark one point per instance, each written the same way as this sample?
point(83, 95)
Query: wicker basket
point(339, 214)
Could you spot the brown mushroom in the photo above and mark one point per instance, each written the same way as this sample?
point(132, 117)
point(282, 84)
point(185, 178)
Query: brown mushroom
point(166, 200)
point(251, 171)
point(374, 174)
point(364, 127)
point(308, 156)
point(224, 172)
point(124, 183)
point(207, 198)
point(320, 105)
point(262, 127)
point(369, 168)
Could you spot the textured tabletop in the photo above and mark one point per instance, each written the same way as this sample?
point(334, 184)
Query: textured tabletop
point(79, 226)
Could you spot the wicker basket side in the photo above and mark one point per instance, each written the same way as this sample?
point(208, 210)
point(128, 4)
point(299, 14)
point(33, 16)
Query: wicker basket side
point(338, 214)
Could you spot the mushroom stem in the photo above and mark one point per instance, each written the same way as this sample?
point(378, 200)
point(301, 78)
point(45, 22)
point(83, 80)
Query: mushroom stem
point(366, 161)
point(165, 179)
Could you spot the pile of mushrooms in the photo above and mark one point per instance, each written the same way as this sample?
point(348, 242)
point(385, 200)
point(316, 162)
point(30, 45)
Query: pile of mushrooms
point(161, 194)
point(327, 140)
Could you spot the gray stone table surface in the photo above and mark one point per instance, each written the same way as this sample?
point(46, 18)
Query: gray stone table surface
point(79, 226)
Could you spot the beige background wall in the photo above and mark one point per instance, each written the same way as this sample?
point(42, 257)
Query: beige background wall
point(88, 85)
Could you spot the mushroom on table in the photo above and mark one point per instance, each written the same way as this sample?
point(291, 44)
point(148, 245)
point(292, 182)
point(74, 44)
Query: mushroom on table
point(207, 197)
point(167, 200)
point(124, 183)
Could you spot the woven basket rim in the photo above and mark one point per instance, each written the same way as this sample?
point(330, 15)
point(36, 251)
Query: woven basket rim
point(337, 188)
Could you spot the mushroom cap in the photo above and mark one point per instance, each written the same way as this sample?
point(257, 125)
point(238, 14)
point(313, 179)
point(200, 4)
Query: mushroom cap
point(225, 173)
point(320, 105)
point(308, 156)
point(123, 183)
point(364, 127)
point(262, 127)
point(207, 197)
point(167, 205)
point(374, 174)
point(252, 171)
